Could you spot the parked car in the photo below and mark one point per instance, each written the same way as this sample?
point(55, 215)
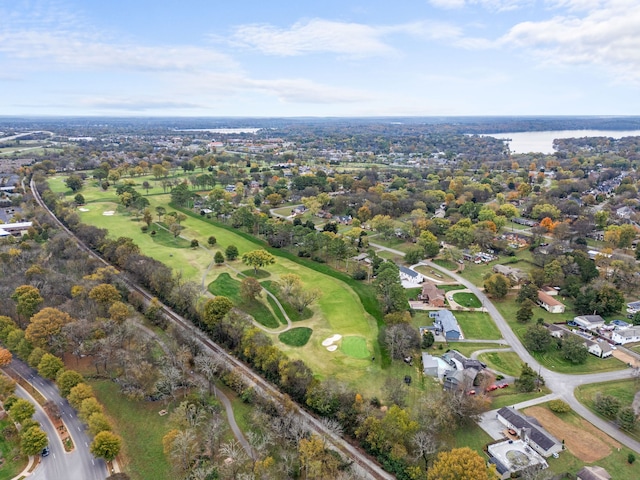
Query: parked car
point(491, 388)
point(471, 392)
point(503, 385)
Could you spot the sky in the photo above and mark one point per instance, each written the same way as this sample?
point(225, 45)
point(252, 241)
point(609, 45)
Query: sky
point(319, 57)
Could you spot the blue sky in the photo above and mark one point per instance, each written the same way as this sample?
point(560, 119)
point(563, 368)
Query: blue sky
point(319, 58)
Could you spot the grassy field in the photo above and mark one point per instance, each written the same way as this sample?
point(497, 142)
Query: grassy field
point(293, 313)
point(430, 272)
point(464, 348)
point(355, 347)
point(505, 362)
point(13, 464)
point(623, 390)
point(296, 337)
point(467, 299)
point(142, 430)
point(477, 325)
point(471, 436)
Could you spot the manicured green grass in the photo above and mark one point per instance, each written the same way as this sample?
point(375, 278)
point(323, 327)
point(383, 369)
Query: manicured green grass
point(471, 436)
point(477, 325)
point(14, 461)
point(467, 299)
point(166, 238)
point(467, 348)
point(276, 310)
point(296, 337)
point(141, 429)
point(449, 288)
point(412, 293)
point(260, 274)
point(507, 363)
point(293, 313)
point(226, 286)
point(355, 347)
point(504, 397)
point(449, 265)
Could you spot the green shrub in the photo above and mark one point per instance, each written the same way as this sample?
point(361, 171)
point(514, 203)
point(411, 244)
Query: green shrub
point(559, 406)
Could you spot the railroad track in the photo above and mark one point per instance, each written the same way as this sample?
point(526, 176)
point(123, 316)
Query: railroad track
point(362, 463)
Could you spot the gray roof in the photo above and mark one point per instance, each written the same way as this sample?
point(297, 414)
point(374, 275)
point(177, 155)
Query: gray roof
point(590, 319)
point(534, 432)
point(447, 320)
point(593, 473)
point(409, 272)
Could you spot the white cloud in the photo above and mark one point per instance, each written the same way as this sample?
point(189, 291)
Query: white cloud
point(607, 36)
point(496, 5)
point(326, 36)
point(313, 36)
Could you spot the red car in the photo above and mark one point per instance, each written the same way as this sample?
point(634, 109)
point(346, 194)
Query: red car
point(471, 392)
point(491, 388)
point(504, 385)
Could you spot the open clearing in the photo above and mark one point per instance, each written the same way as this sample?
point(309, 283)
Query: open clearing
point(584, 441)
point(355, 347)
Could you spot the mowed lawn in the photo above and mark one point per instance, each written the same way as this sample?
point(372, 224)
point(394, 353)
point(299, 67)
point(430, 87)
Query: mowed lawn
point(338, 310)
point(477, 325)
point(508, 363)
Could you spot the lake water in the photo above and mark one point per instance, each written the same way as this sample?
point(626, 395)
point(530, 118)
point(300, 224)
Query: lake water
point(542, 142)
point(228, 131)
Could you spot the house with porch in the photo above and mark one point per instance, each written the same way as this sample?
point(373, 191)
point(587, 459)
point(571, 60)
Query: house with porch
point(529, 431)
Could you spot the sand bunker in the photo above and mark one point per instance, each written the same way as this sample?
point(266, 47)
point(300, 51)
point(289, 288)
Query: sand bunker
point(328, 341)
point(83, 209)
point(108, 213)
point(332, 348)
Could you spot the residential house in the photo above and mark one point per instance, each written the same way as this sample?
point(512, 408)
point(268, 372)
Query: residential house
point(593, 472)
point(589, 322)
point(514, 274)
point(599, 348)
point(549, 303)
point(432, 295)
point(514, 456)
point(620, 336)
point(429, 365)
point(461, 372)
point(625, 212)
point(633, 307)
point(446, 324)
point(411, 276)
point(556, 331)
point(530, 431)
point(525, 221)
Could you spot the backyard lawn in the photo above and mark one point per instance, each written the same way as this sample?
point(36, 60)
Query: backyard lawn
point(467, 299)
point(477, 325)
point(508, 363)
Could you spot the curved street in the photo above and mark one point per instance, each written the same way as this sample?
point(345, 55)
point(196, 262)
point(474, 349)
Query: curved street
point(561, 384)
point(59, 465)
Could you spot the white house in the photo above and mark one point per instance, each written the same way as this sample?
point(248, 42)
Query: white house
point(599, 348)
point(626, 335)
point(589, 322)
point(411, 276)
point(534, 435)
point(549, 303)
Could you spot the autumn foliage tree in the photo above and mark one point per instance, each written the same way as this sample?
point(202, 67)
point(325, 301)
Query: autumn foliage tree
point(5, 357)
point(459, 464)
point(45, 326)
point(258, 259)
point(27, 300)
point(106, 445)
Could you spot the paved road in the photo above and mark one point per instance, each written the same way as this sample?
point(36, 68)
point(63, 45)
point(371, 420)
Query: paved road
point(79, 464)
point(561, 384)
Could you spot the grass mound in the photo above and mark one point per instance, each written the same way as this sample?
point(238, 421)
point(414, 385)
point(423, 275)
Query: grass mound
point(230, 288)
point(293, 313)
point(296, 337)
point(162, 237)
point(355, 347)
point(260, 274)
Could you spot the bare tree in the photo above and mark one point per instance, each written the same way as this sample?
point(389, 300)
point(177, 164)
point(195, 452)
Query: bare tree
point(426, 445)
